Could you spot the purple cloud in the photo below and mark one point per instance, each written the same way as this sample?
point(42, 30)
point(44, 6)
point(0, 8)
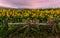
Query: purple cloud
point(30, 3)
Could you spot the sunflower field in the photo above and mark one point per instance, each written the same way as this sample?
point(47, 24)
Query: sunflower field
point(32, 13)
point(20, 15)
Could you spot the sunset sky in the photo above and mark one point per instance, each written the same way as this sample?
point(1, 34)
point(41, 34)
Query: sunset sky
point(30, 3)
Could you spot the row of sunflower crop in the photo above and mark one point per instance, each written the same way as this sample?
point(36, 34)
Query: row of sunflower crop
point(18, 15)
point(33, 13)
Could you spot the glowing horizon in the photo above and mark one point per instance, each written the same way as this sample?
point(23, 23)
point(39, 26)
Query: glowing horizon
point(30, 3)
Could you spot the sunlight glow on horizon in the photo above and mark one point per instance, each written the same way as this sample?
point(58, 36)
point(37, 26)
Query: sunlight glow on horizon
point(30, 3)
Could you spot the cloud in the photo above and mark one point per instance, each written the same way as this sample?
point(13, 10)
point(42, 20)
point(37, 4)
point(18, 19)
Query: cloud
point(30, 3)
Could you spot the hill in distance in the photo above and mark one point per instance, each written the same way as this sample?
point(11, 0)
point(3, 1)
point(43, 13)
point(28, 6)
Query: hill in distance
point(25, 8)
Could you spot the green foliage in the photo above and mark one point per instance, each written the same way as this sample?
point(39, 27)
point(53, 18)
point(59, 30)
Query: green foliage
point(13, 29)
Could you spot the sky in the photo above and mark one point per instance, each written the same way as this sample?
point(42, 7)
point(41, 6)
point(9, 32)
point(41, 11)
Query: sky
point(30, 3)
